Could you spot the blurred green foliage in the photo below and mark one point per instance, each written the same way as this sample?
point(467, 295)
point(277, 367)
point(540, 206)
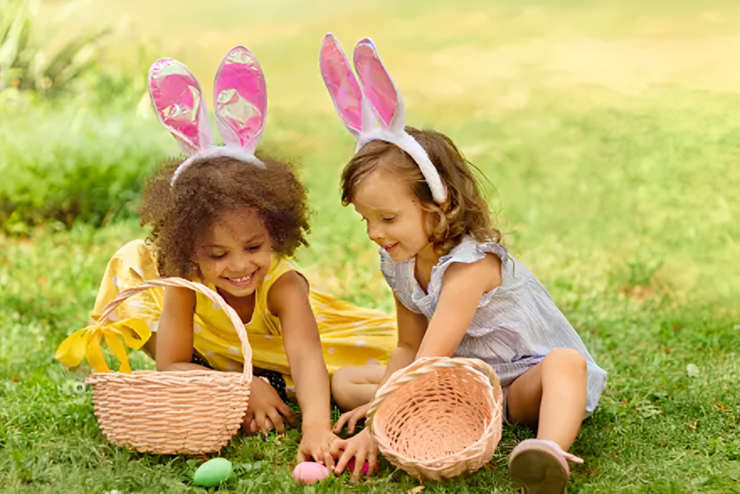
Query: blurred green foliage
point(72, 161)
point(75, 141)
point(30, 60)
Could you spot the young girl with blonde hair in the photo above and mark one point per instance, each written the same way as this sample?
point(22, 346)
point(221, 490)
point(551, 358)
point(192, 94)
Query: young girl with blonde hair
point(458, 292)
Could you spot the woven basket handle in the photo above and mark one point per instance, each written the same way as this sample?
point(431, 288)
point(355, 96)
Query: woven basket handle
point(183, 283)
point(477, 368)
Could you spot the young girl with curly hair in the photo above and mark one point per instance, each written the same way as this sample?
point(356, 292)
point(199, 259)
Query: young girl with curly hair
point(230, 220)
point(458, 292)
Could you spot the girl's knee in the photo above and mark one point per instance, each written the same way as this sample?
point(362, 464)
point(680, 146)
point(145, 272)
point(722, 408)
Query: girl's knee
point(565, 360)
point(344, 381)
point(340, 379)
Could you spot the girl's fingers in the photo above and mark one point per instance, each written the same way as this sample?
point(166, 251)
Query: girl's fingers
point(261, 420)
point(300, 457)
point(344, 458)
point(359, 462)
point(352, 424)
point(337, 446)
point(321, 455)
point(337, 428)
point(340, 423)
point(372, 461)
point(277, 420)
point(289, 415)
point(328, 459)
point(349, 419)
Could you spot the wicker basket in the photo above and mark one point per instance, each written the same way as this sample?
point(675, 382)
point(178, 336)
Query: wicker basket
point(439, 417)
point(189, 412)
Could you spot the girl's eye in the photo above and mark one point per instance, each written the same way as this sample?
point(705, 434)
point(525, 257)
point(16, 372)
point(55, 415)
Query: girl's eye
point(389, 218)
point(217, 256)
point(254, 248)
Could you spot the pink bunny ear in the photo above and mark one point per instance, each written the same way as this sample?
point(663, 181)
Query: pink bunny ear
point(377, 84)
point(178, 100)
point(341, 82)
point(240, 100)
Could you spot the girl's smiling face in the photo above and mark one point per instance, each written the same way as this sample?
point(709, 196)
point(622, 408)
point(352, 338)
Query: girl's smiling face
point(394, 216)
point(236, 254)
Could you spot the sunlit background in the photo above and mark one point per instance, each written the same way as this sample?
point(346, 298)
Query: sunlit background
point(607, 127)
point(609, 133)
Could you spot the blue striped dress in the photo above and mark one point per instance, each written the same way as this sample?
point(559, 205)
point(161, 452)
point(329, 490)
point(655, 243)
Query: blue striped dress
point(515, 325)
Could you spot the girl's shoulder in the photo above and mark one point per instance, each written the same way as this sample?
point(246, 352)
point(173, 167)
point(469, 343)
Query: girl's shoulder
point(399, 275)
point(279, 265)
point(468, 251)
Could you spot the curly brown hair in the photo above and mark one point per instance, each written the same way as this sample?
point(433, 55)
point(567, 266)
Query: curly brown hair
point(180, 214)
point(464, 212)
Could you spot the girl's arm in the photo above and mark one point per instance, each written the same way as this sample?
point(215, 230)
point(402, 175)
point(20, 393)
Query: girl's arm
point(288, 300)
point(411, 329)
point(175, 331)
point(462, 287)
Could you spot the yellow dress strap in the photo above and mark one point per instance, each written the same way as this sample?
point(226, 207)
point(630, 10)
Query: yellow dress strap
point(217, 341)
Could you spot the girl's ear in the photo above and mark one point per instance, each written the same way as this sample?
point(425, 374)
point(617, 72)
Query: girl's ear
point(178, 101)
point(378, 86)
point(240, 100)
point(342, 85)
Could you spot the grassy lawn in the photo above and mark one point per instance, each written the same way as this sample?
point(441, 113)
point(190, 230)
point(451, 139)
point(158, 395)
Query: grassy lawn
point(610, 135)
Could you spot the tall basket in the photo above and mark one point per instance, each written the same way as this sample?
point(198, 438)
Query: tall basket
point(190, 412)
point(439, 417)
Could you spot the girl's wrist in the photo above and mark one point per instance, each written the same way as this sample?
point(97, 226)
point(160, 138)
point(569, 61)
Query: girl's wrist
point(313, 423)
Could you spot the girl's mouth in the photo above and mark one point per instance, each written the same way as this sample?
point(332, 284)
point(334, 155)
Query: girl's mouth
point(242, 282)
point(390, 247)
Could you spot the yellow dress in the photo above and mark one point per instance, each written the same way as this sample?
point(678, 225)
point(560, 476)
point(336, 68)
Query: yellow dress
point(350, 335)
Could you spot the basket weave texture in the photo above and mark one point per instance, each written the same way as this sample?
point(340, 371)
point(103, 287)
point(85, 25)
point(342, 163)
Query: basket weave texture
point(183, 412)
point(439, 417)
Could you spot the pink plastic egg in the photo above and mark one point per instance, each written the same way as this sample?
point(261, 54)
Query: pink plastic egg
point(309, 472)
point(351, 467)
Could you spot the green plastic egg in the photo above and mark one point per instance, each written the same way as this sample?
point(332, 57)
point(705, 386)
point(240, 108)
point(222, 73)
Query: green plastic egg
point(212, 472)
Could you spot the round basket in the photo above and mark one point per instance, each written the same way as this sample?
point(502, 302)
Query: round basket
point(439, 417)
point(190, 412)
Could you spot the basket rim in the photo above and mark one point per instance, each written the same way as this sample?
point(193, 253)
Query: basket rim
point(188, 376)
point(480, 370)
point(482, 373)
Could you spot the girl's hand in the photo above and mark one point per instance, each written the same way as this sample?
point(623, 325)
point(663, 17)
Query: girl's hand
point(266, 410)
point(351, 418)
point(316, 443)
point(362, 447)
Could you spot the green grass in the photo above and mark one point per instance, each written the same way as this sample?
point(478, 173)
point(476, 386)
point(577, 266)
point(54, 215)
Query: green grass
point(623, 202)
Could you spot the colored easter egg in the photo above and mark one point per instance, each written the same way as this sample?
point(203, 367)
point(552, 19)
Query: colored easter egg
point(309, 472)
point(351, 466)
point(212, 472)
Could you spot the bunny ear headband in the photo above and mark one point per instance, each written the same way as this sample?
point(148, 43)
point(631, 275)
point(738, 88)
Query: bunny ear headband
point(375, 112)
point(239, 99)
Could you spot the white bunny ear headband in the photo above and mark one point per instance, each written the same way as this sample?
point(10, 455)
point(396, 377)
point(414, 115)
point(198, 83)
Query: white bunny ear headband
point(239, 99)
point(377, 111)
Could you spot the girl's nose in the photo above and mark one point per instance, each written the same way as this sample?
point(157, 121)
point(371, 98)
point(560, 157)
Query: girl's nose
point(374, 232)
point(239, 264)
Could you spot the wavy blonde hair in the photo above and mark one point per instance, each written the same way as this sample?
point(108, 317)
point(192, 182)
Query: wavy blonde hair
point(465, 212)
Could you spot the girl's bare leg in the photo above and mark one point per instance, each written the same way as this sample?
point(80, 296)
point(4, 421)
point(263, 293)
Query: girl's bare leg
point(551, 396)
point(355, 386)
